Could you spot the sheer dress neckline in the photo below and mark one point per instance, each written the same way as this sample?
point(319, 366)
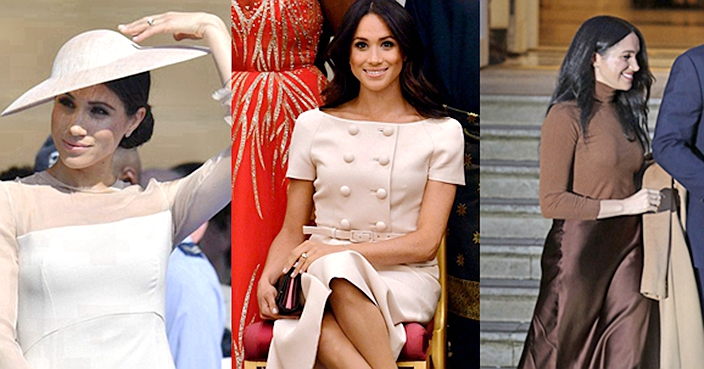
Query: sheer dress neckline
point(115, 187)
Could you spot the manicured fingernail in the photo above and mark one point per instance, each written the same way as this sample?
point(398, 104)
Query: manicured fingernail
point(284, 270)
point(275, 310)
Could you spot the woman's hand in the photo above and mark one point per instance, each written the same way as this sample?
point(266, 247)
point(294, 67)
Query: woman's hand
point(306, 253)
point(647, 200)
point(266, 297)
point(195, 26)
point(192, 26)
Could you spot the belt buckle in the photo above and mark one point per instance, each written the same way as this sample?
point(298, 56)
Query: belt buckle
point(361, 236)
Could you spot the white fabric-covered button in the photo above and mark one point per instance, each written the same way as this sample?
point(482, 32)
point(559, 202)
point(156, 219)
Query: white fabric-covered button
point(345, 224)
point(381, 193)
point(388, 131)
point(345, 191)
point(349, 157)
point(380, 226)
point(353, 130)
point(383, 160)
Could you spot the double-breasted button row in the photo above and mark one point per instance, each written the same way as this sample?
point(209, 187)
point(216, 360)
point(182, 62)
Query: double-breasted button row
point(345, 224)
point(349, 158)
point(383, 160)
point(346, 191)
point(354, 129)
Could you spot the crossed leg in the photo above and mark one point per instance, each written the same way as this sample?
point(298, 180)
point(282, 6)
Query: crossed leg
point(354, 334)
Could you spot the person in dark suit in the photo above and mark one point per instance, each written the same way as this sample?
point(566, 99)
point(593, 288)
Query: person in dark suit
point(678, 145)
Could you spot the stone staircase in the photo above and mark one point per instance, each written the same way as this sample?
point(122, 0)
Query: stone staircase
point(512, 228)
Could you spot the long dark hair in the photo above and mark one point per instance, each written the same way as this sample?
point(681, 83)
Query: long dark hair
point(133, 91)
point(415, 88)
point(577, 82)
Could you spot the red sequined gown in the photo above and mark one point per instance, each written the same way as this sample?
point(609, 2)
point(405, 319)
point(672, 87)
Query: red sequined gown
point(273, 81)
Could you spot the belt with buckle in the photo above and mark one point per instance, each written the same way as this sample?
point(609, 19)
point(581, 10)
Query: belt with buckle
point(350, 235)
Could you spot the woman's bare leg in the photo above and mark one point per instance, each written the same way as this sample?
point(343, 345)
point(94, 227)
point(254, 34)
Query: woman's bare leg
point(335, 351)
point(362, 323)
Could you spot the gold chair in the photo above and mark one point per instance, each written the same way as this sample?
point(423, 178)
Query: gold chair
point(435, 356)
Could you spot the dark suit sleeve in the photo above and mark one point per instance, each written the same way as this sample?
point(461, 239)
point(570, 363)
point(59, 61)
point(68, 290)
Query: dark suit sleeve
point(674, 144)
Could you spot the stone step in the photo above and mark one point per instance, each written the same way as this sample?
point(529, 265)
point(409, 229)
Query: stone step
point(508, 299)
point(514, 206)
point(523, 110)
point(512, 218)
point(510, 142)
point(501, 343)
point(509, 167)
point(513, 110)
point(510, 258)
point(509, 178)
point(516, 226)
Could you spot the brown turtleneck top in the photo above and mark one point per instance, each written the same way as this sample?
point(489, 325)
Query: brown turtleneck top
point(575, 173)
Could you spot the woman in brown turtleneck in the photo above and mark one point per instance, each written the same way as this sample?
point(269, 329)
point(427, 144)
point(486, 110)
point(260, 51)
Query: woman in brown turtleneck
point(590, 313)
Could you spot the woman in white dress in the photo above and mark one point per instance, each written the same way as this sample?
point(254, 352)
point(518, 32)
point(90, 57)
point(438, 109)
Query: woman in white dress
point(379, 162)
point(82, 254)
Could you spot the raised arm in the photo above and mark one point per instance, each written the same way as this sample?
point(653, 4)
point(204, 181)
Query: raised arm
point(11, 356)
point(197, 197)
point(196, 26)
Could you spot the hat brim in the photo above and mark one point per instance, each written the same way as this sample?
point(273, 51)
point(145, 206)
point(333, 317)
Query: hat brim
point(145, 59)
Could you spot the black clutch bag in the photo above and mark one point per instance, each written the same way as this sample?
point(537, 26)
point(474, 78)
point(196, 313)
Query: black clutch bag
point(289, 299)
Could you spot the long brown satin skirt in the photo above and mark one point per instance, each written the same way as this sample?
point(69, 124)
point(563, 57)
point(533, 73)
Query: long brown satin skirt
point(590, 313)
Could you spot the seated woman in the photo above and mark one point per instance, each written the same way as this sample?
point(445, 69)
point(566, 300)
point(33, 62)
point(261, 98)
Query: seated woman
point(83, 255)
point(380, 162)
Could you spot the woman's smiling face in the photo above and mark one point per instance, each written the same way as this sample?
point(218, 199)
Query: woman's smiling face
point(618, 64)
point(375, 58)
point(88, 124)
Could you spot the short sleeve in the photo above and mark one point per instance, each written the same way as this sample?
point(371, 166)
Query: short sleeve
point(300, 162)
point(447, 161)
point(10, 353)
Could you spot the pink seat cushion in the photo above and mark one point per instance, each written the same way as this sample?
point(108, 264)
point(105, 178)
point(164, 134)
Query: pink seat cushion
point(257, 338)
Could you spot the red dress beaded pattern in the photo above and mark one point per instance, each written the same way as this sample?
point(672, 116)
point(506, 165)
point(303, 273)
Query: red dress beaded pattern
point(273, 81)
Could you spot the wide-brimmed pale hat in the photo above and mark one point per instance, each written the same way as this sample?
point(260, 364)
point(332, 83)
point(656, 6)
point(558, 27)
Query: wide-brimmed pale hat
point(100, 56)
